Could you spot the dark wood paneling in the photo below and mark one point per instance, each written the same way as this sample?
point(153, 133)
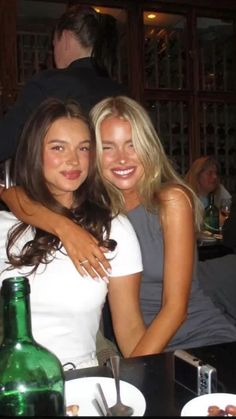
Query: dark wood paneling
point(8, 65)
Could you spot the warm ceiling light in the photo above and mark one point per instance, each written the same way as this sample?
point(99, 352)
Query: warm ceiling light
point(151, 15)
point(97, 9)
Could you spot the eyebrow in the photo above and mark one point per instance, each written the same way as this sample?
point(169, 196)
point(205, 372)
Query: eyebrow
point(114, 141)
point(66, 142)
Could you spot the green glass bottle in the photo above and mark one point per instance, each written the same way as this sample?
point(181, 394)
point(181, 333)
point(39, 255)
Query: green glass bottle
point(31, 377)
point(211, 217)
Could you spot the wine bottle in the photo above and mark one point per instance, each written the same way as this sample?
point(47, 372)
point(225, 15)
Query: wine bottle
point(211, 218)
point(31, 377)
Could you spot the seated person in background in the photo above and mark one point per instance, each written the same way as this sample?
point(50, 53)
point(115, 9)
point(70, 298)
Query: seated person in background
point(218, 279)
point(165, 214)
point(204, 178)
point(229, 227)
point(55, 166)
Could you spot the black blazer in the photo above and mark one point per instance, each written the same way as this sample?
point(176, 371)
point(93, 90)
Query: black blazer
point(80, 81)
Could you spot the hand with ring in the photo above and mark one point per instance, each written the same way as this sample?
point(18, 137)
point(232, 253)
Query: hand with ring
point(84, 250)
point(83, 261)
point(79, 244)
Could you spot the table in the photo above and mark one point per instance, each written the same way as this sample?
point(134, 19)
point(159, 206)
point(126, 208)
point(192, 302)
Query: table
point(213, 250)
point(154, 376)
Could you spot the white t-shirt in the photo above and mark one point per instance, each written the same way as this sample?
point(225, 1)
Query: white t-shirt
point(66, 307)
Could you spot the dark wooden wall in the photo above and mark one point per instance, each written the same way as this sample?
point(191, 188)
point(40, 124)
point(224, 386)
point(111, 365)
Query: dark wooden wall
point(8, 60)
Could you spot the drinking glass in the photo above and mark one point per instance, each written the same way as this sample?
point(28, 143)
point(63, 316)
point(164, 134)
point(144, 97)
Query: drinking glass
point(225, 207)
point(224, 210)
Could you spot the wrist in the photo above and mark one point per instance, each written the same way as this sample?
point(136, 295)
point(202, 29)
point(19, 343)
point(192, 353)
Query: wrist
point(62, 226)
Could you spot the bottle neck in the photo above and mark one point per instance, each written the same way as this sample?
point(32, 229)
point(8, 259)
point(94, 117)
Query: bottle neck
point(211, 199)
point(17, 318)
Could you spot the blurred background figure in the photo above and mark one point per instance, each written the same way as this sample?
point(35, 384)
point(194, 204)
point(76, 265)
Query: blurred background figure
point(204, 177)
point(85, 52)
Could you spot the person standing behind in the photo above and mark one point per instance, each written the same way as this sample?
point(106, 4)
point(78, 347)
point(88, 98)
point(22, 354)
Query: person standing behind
point(204, 178)
point(85, 48)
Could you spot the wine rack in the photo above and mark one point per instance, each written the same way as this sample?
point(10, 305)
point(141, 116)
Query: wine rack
point(217, 137)
point(170, 120)
point(216, 51)
point(34, 54)
point(164, 54)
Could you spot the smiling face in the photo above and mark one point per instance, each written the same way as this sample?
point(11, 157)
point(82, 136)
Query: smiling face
point(66, 157)
point(120, 163)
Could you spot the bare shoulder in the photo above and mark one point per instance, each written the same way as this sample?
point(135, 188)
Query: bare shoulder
point(173, 194)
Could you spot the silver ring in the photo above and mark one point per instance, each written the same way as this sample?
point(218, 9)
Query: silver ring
point(84, 261)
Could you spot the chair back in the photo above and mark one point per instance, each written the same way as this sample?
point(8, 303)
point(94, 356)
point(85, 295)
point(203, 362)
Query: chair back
point(5, 174)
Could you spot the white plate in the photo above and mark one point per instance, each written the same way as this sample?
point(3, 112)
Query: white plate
point(82, 391)
point(208, 240)
point(199, 405)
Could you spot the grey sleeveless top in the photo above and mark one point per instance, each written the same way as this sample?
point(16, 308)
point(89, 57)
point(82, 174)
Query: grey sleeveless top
point(205, 323)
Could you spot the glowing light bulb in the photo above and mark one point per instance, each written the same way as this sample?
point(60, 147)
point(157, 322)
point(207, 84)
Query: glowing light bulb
point(151, 15)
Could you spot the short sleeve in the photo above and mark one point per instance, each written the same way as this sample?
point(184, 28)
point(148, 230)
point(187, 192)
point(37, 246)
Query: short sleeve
point(7, 221)
point(126, 259)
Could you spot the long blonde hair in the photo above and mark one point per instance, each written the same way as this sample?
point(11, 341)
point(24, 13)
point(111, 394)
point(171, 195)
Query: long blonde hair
point(158, 171)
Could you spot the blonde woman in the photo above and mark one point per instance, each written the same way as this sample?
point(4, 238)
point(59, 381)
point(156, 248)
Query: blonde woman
point(165, 214)
point(204, 178)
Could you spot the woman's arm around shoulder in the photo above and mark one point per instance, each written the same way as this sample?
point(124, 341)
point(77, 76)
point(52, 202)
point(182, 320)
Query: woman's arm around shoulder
point(79, 244)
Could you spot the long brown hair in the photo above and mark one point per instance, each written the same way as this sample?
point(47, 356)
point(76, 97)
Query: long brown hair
point(92, 205)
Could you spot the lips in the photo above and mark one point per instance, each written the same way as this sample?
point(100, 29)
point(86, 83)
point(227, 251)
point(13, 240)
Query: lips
point(72, 174)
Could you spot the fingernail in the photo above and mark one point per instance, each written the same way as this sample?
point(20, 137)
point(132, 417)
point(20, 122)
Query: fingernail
point(109, 270)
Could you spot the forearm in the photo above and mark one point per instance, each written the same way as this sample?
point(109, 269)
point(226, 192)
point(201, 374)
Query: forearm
point(79, 244)
point(127, 339)
point(33, 213)
point(127, 320)
point(160, 332)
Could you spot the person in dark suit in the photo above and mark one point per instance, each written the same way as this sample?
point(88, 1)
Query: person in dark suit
point(229, 226)
point(85, 44)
